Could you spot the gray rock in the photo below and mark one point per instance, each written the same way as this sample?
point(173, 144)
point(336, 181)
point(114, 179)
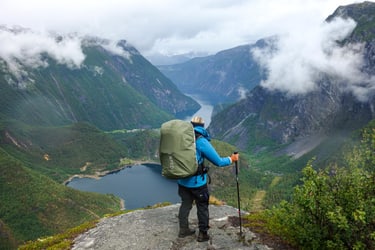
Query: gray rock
point(158, 229)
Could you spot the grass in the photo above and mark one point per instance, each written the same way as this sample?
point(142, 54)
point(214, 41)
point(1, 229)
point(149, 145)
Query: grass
point(59, 241)
point(258, 223)
point(256, 202)
point(65, 240)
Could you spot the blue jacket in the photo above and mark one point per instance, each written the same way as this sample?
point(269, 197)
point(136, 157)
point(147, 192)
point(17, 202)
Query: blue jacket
point(204, 149)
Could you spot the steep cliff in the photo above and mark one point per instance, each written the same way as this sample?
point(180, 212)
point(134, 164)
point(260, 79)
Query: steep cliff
point(275, 117)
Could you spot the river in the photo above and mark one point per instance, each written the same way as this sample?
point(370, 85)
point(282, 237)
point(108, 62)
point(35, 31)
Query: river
point(205, 111)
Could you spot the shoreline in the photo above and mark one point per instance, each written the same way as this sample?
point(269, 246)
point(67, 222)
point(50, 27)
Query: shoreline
point(101, 174)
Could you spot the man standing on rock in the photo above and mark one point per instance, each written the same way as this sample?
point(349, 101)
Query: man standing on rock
point(194, 188)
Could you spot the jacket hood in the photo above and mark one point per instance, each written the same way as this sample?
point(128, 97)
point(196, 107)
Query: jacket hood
point(202, 131)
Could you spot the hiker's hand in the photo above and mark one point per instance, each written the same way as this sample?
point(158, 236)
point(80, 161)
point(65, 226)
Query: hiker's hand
point(234, 157)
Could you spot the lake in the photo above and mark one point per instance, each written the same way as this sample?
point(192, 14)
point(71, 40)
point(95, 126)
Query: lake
point(139, 185)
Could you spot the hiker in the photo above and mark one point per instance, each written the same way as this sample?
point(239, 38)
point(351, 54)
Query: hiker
point(194, 188)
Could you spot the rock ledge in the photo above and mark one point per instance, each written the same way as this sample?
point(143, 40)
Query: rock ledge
point(158, 228)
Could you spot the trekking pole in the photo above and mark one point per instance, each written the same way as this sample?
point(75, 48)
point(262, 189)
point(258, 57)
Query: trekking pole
point(238, 196)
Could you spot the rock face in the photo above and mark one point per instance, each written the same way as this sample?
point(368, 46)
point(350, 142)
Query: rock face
point(271, 115)
point(265, 115)
point(158, 229)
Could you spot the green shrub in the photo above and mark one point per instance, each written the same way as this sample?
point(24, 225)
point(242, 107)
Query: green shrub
point(334, 208)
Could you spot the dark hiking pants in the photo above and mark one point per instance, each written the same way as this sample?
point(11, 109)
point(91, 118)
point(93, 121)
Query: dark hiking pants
point(201, 197)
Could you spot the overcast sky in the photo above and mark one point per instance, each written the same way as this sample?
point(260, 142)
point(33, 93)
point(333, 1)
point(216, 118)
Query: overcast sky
point(307, 45)
point(170, 26)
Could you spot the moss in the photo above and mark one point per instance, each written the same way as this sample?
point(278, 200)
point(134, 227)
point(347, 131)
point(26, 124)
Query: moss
point(59, 241)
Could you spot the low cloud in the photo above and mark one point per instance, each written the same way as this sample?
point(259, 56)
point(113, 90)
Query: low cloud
point(203, 27)
point(23, 47)
point(295, 61)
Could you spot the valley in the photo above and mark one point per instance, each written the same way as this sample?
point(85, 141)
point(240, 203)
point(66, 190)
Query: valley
point(300, 152)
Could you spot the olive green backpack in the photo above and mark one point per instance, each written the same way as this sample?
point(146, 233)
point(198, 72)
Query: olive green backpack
point(177, 149)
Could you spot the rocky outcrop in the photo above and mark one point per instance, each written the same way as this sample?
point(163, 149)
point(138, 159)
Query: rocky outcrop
point(158, 229)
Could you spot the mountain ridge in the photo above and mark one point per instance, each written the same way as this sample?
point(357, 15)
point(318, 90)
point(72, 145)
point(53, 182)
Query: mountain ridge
point(271, 117)
point(262, 120)
point(113, 88)
point(220, 78)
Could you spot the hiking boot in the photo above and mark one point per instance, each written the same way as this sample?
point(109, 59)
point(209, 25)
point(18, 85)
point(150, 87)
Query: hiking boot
point(186, 232)
point(203, 236)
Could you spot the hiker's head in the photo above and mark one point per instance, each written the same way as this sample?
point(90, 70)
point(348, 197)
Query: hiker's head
point(197, 121)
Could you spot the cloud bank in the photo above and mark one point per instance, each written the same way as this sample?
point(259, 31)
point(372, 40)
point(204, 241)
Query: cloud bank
point(305, 49)
point(24, 47)
point(168, 27)
point(298, 59)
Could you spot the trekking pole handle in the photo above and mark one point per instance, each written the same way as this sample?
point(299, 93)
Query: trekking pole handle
point(236, 164)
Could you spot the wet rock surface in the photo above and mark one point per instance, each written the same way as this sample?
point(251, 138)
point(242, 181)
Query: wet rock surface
point(158, 229)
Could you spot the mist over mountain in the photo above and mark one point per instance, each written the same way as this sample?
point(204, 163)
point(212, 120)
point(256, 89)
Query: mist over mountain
point(302, 97)
point(292, 85)
point(58, 92)
point(65, 79)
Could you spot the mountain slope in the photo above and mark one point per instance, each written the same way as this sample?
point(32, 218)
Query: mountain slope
point(52, 117)
point(271, 118)
point(61, 152)
point(223, 77)
point(33, 205)
point(363, 14)
point(110, 91)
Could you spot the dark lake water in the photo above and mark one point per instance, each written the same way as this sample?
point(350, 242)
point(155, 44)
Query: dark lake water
point(139, 186)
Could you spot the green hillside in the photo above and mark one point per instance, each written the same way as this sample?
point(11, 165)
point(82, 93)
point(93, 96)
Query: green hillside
point(60, 96)
point(60, 152)
point(52, 123)
point(35, 161)
point(331, 207)
point(32, 205)
point(57, 121)
point(109, 91)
